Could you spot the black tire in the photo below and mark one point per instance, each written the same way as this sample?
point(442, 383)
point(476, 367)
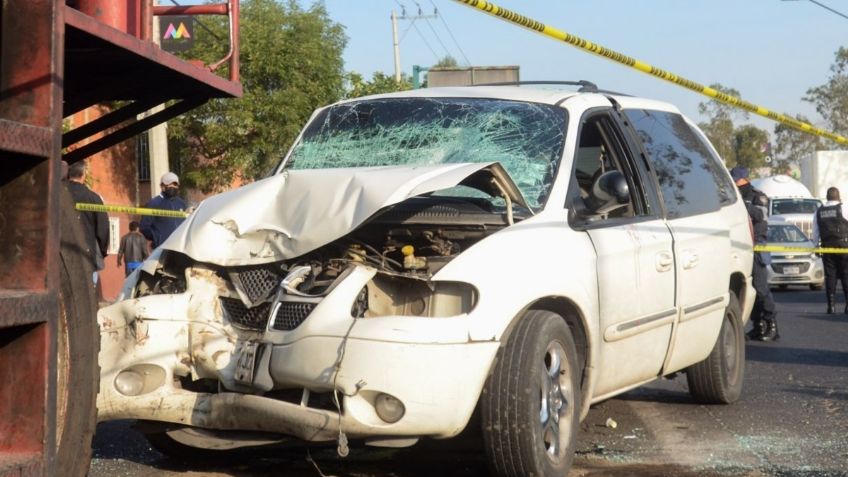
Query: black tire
point(518, 439)
point(718, 379)
point(78, 343)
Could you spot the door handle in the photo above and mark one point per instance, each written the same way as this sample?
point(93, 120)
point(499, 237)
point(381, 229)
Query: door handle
point(664, 261)
point(690, 259)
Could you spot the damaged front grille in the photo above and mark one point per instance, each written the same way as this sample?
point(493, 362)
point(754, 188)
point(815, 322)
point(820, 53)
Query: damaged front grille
point(254, 285)
point(238, 314)
point(291, 314)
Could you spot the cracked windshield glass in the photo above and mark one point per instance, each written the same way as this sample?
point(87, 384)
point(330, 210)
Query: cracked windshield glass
point(526, 138)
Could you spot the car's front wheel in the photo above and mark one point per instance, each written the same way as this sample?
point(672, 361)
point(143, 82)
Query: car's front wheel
point(718, 379)
point(531, 402)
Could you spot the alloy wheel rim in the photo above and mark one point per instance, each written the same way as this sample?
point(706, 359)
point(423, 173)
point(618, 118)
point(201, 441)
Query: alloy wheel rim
point(555, 401)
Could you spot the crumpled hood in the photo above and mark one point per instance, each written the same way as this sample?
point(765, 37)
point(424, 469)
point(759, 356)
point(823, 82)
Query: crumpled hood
point(290, 214)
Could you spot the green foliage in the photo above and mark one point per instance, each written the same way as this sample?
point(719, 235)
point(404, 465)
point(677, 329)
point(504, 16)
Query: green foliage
point(751, 146)
point(743, 145)
point(447, 62)
point(791, 145)
point(291, 63)
point(831, 98)
point(380, 83)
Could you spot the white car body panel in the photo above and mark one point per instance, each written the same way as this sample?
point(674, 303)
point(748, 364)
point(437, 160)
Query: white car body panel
point(259, 224)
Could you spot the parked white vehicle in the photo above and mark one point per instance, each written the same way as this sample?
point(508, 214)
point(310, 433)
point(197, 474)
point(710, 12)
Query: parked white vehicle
point(417, 255)
point(790, 199)
point(792, 268)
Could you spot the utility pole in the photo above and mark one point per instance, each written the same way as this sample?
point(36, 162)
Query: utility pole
point(396, 47)
point(395, 18)
point(158, 135)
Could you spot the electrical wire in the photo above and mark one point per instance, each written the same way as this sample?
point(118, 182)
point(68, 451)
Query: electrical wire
point(438, 38)
point(435, 55)
point(438, 14)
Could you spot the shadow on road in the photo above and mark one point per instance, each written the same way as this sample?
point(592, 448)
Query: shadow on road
point(768, 353)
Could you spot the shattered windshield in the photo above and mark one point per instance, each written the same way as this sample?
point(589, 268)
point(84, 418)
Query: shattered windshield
point(526, 138)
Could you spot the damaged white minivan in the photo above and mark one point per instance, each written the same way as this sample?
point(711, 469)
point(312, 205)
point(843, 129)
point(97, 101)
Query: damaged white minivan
point(419, 256)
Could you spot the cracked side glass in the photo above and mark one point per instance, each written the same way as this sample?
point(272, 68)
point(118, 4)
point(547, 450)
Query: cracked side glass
point(526, 138)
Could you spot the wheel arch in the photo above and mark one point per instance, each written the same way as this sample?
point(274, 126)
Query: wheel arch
point(737, 286)
point(576, 321)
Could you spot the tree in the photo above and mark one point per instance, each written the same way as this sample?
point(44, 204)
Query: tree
point(380, 83)
point(831, 98)
point(446, 62)
point(720, 128)
point(791, 145)
point(750, 144)
point(291, 63)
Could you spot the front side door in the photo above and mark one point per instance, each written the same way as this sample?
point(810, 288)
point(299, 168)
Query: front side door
point(635, 261)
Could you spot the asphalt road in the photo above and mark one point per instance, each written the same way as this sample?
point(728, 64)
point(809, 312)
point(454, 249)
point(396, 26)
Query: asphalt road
point(792, 420)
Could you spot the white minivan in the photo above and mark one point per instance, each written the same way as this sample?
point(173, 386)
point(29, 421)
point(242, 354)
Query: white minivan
point(417, 256)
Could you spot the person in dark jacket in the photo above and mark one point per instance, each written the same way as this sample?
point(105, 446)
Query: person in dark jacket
point(158, 229)
point(95, 224)
point(764, 315)
point(133, 249)
point(831, 228)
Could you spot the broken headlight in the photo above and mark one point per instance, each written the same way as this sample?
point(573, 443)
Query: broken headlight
point(388, 295)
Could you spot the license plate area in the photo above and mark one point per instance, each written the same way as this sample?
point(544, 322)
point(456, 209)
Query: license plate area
point(246, 362)
point(791, 270)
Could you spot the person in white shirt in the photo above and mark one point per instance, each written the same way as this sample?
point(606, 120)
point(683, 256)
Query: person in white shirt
point(831, 228)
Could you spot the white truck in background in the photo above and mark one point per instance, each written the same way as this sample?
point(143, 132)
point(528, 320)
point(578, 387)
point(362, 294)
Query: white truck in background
point(823, 169)
point(789, 199)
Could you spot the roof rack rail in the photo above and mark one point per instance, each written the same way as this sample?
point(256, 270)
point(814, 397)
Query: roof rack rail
point(585, 86)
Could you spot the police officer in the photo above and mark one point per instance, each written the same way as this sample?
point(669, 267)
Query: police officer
point(831, 227)
point(764, 315)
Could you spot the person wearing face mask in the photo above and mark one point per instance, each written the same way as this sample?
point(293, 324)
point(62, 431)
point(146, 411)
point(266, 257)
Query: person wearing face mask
point(764, 314)
point(158, 229)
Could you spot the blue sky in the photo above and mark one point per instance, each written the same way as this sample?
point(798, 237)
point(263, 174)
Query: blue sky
point(772, 51)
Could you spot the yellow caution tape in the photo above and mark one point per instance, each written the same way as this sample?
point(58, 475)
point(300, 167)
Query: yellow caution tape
point(612, 55)
point(131, 210)
point(781, 248)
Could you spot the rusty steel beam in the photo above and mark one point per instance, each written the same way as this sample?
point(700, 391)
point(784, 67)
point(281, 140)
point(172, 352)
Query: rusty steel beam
point(212, 9)
point(107, 121)
point(30, 110)
point(25, 139)
point(132, 130)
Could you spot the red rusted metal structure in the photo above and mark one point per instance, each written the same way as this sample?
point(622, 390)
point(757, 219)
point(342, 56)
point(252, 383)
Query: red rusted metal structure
point(58, 57)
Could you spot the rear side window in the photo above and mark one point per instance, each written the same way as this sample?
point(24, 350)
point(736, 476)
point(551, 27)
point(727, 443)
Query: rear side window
point(692, 179)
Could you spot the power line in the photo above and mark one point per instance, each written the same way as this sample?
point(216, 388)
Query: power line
point(435, 55)
point(441, 17)
point(439, 39)
point(825, 7)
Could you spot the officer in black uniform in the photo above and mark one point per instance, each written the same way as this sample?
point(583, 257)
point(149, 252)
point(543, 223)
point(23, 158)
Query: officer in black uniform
point(831, 227)
point(764, 315)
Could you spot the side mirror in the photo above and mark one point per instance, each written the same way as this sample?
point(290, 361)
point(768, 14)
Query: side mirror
point(609, 192)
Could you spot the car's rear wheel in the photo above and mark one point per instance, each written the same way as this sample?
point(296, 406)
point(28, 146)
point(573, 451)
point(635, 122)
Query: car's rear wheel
point(531, 401)
point(718, 379)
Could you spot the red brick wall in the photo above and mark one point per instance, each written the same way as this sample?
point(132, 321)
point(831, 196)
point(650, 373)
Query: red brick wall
point(112, 174)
